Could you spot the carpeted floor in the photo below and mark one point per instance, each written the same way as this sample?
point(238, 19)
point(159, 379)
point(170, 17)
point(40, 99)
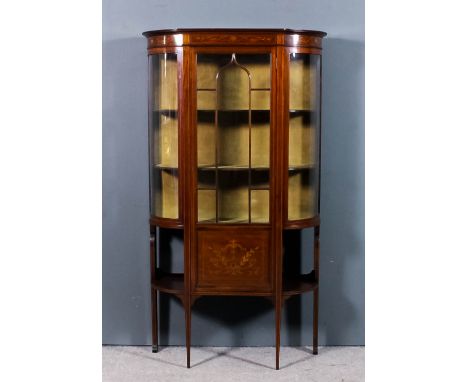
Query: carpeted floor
point(139, 364)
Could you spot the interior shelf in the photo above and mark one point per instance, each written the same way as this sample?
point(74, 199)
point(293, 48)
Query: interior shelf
point(293, 285)
point(214, 89)
point(172, 283)
point(302, 111)
point(233, 168)
point(224, 221)
point(163, 166)
point(297, 167)
point(234, 110)
point(292, 111)
point(167, 112)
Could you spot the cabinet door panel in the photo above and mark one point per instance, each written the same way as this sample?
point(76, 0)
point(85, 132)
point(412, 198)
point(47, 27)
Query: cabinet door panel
point(233, 260)
point(233, 135)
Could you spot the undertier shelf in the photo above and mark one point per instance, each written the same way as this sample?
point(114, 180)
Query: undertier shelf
point(172, 283)
point(293, 285)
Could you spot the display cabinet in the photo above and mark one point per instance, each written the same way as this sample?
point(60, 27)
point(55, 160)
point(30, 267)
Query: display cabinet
point(234, 153)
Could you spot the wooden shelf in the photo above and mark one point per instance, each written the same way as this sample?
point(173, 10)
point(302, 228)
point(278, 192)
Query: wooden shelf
point(225, 221)
point(291, 167)
point(234, 110)
point(297, 167)
point(233, 168)
point(234, 221)
point(214, 89)
point(302, 223)
point(162, 166)
point(171, 112)
point(172, 283)
point(299, 284)
point(166, 223)
point(292, 111)
point(302, 111)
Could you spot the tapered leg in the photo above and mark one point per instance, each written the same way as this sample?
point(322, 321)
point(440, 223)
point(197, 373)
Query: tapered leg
point(188, 324)
point(154, 292)
point(278, 331)
point(154, 317)
point(315, 329)
point(316, 290)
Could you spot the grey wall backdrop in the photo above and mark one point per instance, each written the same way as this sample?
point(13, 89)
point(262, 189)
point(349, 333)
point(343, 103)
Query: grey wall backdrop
point(234, 321)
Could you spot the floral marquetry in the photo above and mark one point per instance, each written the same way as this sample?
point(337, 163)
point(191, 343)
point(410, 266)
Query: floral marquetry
point(233, 263)
point(234, 259)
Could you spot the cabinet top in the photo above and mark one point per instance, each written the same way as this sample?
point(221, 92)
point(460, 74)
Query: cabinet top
point(234, 36)
point(235, 30)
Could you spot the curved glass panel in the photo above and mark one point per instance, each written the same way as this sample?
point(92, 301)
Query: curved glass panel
point(233, 137)
point(304, 135)
point(164, 140)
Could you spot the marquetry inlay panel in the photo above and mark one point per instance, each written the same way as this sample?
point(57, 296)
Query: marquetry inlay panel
point(237, 259)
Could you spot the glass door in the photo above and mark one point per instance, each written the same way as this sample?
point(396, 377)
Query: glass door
point(304, 135)
point(233, 137)
point(164, 137)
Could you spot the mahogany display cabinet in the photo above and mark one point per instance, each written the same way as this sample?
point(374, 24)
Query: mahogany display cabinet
point(234, 161)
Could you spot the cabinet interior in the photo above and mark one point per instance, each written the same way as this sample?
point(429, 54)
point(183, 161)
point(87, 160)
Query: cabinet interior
point(233, 137)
